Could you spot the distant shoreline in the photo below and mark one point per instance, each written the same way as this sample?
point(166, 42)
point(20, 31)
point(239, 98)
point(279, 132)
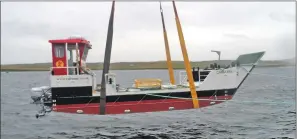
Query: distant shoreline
point(30, 70)
point(157, 65)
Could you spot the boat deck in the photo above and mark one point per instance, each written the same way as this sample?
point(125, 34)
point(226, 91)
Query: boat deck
point(133, 91)
point(165, 88)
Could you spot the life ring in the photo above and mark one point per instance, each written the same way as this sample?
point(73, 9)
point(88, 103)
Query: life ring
point(59, 63)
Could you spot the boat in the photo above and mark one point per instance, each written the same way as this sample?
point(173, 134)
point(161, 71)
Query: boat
point(73, 87)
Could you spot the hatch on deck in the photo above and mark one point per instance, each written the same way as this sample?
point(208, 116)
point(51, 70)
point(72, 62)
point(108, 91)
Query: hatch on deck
point(148, 83)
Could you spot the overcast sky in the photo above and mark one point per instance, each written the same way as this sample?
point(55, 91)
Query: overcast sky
point(232, 27)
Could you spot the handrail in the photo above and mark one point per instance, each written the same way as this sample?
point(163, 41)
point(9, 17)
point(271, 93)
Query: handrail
point(61, 67)
point(182, 77)
point(77, 70)
point(89, 71)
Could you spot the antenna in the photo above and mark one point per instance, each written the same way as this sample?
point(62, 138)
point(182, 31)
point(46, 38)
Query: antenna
point(218, 52)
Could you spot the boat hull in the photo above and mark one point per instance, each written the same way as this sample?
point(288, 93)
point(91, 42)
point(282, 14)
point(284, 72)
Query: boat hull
point(154, 105)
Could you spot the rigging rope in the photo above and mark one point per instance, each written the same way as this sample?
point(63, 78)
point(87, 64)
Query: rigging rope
point(222, 100)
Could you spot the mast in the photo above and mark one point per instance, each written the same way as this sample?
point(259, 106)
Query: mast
point(186, 59)
point(169, 63)
point(106, 61)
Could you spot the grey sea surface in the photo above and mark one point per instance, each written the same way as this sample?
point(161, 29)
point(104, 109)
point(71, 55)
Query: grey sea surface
point(263, 107)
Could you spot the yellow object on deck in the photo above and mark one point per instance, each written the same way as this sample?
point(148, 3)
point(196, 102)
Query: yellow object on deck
point(186, 60)
point(148, 83)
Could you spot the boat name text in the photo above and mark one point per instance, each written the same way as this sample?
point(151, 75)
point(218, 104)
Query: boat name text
point(224, 71)
point(73, 78)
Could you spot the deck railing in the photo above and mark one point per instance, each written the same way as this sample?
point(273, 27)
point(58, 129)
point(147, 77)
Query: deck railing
point(183, 77)
point(73, 69)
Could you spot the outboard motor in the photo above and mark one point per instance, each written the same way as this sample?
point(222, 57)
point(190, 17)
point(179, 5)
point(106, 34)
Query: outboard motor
point(39, 93)
point(42, 96)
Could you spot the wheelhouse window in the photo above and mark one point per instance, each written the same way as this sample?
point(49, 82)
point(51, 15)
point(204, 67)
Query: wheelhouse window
point(69, 54)
point(59, 51)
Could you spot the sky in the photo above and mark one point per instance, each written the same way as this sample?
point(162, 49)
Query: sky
point(233, 28)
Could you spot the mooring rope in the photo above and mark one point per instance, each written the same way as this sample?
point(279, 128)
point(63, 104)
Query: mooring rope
point(88, 103)
point(221, 100)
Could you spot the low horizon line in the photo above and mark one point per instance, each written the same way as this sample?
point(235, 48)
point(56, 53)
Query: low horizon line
point(152, 61)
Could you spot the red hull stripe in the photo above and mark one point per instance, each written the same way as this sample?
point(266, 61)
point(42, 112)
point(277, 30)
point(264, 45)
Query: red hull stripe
point(136, 107)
